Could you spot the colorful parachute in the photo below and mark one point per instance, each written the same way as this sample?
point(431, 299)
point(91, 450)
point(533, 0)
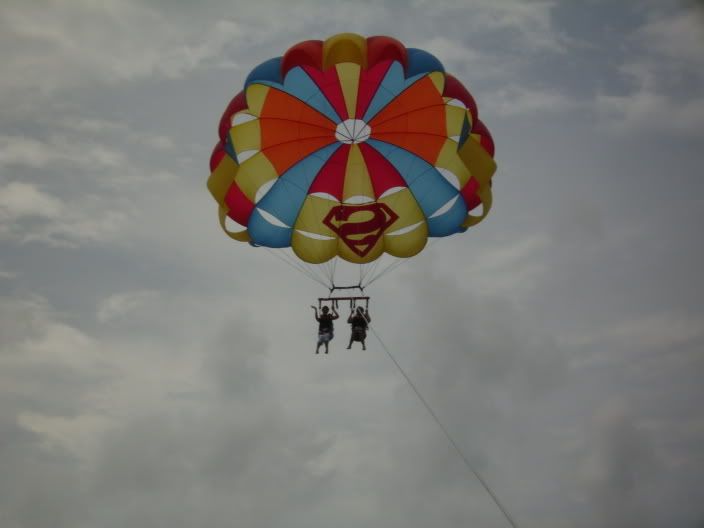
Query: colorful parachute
point(351, 147)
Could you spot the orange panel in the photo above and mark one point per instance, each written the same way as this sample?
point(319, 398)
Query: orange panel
point(284, 155)
point(426, 146)
point(430, 120)
point(276, 131)
point(281, 105)
point(421, 94)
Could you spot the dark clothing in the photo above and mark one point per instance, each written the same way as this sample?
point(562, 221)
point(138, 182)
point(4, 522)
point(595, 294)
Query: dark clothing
point(325, 325)
point(358, 321)
point(359, 333)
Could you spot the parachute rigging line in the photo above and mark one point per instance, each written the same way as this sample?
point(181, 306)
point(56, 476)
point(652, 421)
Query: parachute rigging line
point(298, 268)
point(467, 463)
point(391, 266)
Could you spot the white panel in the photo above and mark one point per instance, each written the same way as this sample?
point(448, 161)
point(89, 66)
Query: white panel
point(445, 208)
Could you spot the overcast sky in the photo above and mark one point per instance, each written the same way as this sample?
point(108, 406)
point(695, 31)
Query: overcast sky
point(154, 373)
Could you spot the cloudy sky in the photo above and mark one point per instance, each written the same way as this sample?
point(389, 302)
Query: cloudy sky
point(154, 373)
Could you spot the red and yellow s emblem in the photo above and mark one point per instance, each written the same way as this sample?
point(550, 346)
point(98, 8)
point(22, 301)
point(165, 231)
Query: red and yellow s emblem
point(360, 226)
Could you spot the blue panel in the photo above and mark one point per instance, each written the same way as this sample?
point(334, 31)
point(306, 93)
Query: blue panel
point(420, 61)
point(267, 71)
point(430, 189)
point(265, 234)
point(450, 222)
point(466, 130)
point(230, 149)
point(285, 198)
point(392, 85)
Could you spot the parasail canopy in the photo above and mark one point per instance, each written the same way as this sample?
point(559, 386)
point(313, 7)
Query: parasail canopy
point(351, 147)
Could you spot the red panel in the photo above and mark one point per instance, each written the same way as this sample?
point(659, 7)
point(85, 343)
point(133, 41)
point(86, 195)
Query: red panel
point(456, 90)
point(329, 84)
point(331, 178)
point(385, 48)
point(238, 103)
point(306, 53)
point(217, 155)
point(486, 140)
point(369, 83)
point(469, 193)
point(240, 207)
point(382, 173)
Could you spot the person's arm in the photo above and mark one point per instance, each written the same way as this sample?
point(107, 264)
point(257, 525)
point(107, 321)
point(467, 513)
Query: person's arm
point(349, 319)
point(367, 316)
point(316, 313)
point(335, 315)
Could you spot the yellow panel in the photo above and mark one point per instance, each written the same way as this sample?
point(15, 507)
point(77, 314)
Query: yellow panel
point(348, 73)
point(311, 250)
point(246, 136)
point(254, 173)
point(256, 96)
point(357, 181)
point(405, 206)
point(310, 220)
point(346, 253)
point(486, 198)
point(408, 244)
point(448, 159)
point(454, 117)
point(438, 79)
point(345, 47)
point(482, 166)
point(240, 236)
point(222, 177)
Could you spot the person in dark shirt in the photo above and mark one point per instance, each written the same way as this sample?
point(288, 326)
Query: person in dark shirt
point(360, 322)
point(325, 326)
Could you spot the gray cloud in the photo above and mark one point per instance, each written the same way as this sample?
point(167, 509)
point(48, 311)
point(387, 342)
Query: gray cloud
point(154, 373)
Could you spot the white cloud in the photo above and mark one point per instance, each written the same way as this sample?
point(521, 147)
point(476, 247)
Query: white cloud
point(57, 45)
point(114, 129)
point(511, 267)
point(679, 36)
point(530, 22)
point(29, 214)
point(121, 305)
point(5, 274)
point(666, 78)
point(646, 110)
point(661, 331)
point(618, 466)
point(57, 149)
point(18, 200)
point(517, 101)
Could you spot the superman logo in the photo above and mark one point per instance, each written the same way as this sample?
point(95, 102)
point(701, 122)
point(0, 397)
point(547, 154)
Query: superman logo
point(360, 226)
